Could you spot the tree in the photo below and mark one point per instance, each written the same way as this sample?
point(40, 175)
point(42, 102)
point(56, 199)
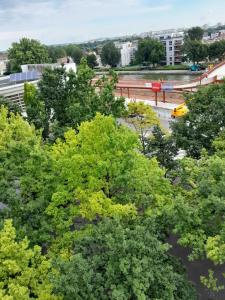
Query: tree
point(150, 51)
point(142, 118)
point(75, 52)
point(110, 55)
point(121, 260)
point(26, 181)
point(203, 123)
point(34, 107)
point(195, 50)
point(71, 98)
point(195, 33)
point(56, 52)
point(162, 147)
point(99, 174)
point(24, 271)
point(91, 60)
point(27, 51)
point(217, 50)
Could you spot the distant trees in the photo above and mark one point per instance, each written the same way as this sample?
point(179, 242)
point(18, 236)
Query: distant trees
point(150, 51)
point(75, 52)
point(56, 52)
point(110, 55)
point(217, 50)
point(195, 33)
point(193, 48)
point(27, 51)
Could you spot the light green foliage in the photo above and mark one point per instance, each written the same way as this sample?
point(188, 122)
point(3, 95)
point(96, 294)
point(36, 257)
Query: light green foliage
point(23, 271)
point(211, 282)
point(203, 123)
point(142, 118)
point(12, 107)
point(122, 260)
point(27, 51)
point(100, 173)
point(110, 55)
point(150, 51)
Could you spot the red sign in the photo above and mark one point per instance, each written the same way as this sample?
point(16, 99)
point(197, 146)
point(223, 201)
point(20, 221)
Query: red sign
point(156, 86)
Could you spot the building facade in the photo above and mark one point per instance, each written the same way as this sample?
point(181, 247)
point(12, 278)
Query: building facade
point(127, 51)
point(173, 47)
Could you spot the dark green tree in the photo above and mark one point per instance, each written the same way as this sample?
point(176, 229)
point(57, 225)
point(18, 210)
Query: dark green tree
point(70, 98)
point(204, 121)
point(195, 33)
point(195, 50)
point(27, 51)
point(217, 50)
point(150, 51)
point(75, 52)
point(110, 55)
point(56, 52)
point(163, 147)
point(121, 260)
point(91, 60)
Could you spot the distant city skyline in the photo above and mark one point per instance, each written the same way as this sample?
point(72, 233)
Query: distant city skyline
point(64, 21)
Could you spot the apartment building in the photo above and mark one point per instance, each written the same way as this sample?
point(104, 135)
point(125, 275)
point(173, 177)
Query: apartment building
point(173, 47)
point(127, 51)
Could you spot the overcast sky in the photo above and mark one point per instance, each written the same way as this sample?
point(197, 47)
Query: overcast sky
point(63, 21)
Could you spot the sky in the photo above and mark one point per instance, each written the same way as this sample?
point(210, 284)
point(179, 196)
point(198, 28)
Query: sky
point(68, 21)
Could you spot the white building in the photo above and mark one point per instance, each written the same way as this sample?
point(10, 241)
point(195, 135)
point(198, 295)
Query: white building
point(173, 47)
point(127, 51)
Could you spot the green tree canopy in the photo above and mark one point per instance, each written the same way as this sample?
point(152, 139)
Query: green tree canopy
point(195, 50)
point(110, 55)
point(142, 118)
point(75, 52)
point(27, 51)
point(120, 260)
point(150, 51)
point(195, 33)
point(104, 175)
point(56, 52)
point(217, 50)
